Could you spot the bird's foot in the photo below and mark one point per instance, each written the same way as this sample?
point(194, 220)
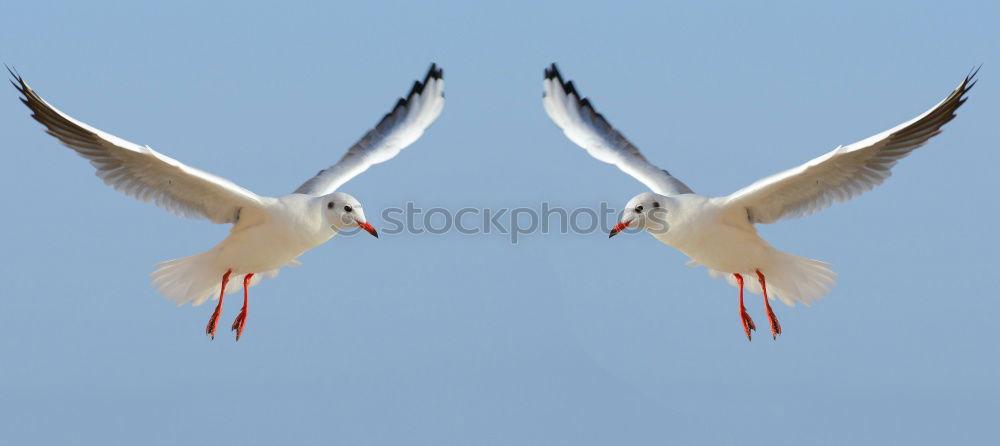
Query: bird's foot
point(210, 329)
point(747, 323)
point(775, 326)
point(239, 323)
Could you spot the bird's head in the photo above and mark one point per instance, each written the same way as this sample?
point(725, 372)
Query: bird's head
point(343, 211)
point(646, 211)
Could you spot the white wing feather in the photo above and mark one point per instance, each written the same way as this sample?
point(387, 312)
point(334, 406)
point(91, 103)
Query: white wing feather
point(847, 171)
point(141, 172)
point(588, 129)
point(398, 129)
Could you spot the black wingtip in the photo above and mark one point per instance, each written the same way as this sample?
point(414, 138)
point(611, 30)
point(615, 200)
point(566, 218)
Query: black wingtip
point(970, 79)
point(973, 72)
point(434, 73)
point(967, 84)
point(570, 89)
point(552, 72)
point(16, 77)
point(12, 72)
point(20, 85)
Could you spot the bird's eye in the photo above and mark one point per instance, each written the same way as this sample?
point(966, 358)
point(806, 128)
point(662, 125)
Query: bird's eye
point(329, 205)
point(348, 209)
point(638, 208)
point(656, 204)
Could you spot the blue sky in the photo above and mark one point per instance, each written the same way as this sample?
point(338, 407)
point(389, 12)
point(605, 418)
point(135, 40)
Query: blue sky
point(561, 339)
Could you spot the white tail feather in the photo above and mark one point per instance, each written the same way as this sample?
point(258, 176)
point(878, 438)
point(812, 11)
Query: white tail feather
point(197, 279)
point(789, 278)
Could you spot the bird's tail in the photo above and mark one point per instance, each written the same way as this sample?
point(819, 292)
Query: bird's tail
point(197, 278)
point(788, 277)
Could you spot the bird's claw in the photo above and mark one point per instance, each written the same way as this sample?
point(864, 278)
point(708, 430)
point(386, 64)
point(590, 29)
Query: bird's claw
point(210, 329)
point(775, 326)
point(747, 324)
point(239, 323)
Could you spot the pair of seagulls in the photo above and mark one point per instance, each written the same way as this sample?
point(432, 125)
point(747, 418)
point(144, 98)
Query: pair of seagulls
point(271, 232)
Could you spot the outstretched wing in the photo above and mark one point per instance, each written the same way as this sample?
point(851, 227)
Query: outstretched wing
point(139, 171)
point(588, 129)
point(847, 171)
point(398, 129)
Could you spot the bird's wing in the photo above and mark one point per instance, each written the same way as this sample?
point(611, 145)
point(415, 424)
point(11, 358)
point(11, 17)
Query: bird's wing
point(847, 171)
point(588, 129)
point(398, 129)
point(139, 171)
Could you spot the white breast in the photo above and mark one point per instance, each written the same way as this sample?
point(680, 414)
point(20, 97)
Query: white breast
point(713, 236)
point(290, 228)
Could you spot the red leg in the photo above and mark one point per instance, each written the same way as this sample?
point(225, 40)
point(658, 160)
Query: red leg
point(241, 320)
point(210, 329)
point(775, 326)
point(744, 316)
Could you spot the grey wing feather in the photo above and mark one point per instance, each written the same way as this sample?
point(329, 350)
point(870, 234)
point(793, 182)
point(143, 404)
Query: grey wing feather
point(139, 171)
point(397, 130)
point(590, 130)
point(847, 171)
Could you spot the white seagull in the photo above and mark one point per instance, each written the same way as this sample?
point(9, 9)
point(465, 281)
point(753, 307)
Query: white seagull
point(267, 232)
point(718, 232)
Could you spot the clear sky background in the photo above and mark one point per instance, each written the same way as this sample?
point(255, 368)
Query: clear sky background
point(562, 339)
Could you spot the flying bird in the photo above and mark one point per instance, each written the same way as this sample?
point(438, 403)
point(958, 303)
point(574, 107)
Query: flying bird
point(719, 232)
point(267, 232)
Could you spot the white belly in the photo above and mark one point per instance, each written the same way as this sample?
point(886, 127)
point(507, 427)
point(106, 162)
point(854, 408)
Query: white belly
point(730, 250)
point(722, 242)
point(265, 247)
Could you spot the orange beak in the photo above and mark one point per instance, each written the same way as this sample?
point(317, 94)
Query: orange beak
point(618, 228)
point(368, 227)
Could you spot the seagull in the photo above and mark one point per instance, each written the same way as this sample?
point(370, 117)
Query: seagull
point(267, 232)
point(719, 232)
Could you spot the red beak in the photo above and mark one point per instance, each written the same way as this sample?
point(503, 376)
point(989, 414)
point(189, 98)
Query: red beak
point(618, 228)
point(368, 227)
